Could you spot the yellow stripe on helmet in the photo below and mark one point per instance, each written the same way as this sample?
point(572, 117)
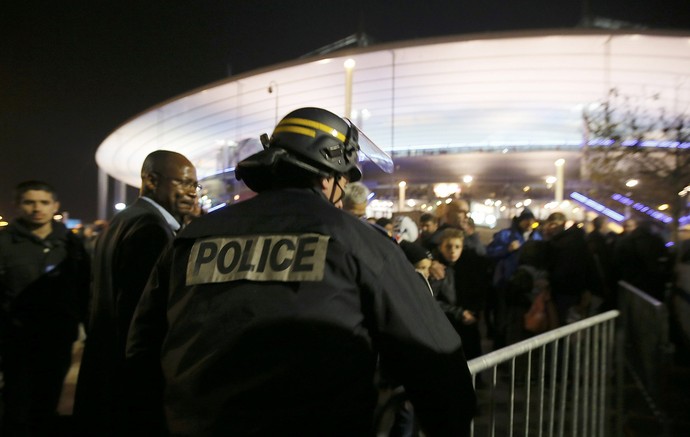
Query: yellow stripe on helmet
point(296, 130)
point(314, 125)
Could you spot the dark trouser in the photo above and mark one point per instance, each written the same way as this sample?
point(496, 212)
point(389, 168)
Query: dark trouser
point(563, 303)
point(471, 339)
point(34, 370)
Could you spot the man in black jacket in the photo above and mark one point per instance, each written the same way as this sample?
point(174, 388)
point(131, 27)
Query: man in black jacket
point(44, 286)
point(124, 257)
point(572, 272)
point(643, 259)
point(269, 316)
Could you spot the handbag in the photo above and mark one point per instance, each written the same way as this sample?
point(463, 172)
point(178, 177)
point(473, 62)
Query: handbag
point(541, 316)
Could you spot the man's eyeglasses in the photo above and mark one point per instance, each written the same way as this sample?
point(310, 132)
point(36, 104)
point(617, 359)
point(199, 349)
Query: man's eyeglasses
point(186, 184)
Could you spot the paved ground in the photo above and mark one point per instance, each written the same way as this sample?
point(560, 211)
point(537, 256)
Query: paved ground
point(667, 416)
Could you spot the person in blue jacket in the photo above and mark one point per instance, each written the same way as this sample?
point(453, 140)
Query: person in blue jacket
point(504, 251)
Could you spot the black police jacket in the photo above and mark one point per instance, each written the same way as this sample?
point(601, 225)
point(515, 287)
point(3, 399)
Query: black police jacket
point(269, 317)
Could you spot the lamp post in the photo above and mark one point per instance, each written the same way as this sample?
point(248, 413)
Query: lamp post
point(401, 195)
point(560, 164)
point(349, 69)
point(273, 87)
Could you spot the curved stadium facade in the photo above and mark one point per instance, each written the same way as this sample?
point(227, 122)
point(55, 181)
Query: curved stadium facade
point(499, 107)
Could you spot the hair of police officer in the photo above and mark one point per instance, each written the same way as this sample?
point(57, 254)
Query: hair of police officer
point(33, 185)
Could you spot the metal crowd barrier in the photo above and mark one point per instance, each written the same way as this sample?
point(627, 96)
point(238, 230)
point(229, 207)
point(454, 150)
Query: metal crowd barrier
point(556, 383)
point(646, 350)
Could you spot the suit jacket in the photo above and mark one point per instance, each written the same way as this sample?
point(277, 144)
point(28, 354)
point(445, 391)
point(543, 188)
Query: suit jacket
point(124, 257)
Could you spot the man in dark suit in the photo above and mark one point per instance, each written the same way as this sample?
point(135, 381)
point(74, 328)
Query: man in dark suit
point(124, 257)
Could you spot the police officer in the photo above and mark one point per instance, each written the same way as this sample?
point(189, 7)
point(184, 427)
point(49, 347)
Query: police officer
point(274, 312)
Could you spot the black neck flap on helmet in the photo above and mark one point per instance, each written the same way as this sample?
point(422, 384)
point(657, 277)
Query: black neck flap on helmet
point(314, 140)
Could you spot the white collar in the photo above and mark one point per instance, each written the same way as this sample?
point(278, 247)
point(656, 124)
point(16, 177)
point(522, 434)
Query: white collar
point(174, 225)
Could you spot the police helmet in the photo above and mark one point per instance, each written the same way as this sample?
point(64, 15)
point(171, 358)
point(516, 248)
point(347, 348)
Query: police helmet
point(315, 140)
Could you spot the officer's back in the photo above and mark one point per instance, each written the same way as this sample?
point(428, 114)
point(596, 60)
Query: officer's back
point(278, 308)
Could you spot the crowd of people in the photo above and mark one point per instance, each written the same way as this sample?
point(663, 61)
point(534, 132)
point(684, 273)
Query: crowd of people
point(272, 316)
point(498, 280)
point(278, 314)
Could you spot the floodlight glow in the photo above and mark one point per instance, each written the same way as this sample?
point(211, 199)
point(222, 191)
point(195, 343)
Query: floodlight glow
point(589, 203)
point(646, 143)
point(631, 183)
point(478, 217)
point(642, 208)
point(120, 206)
point(445, 190)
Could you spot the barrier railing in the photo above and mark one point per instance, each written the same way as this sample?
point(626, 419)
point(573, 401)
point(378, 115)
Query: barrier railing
point(646, 350)
point(567, 396)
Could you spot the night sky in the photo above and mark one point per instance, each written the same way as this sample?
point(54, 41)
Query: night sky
point(72, 71)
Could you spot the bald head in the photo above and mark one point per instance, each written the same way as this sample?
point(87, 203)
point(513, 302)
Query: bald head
point(457, 212)
point(163, 162)
point(169, 179)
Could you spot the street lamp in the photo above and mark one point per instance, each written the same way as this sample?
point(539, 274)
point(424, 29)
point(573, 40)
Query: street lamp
point(401, 195)
point(560, 164)
point(273, 87)
point(349, 65)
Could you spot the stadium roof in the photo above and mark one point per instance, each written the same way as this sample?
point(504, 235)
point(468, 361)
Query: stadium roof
point(439, 106)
